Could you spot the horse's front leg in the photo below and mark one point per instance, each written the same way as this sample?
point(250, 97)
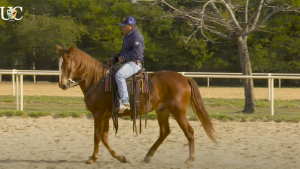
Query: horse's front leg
point(105, 142)
point(98, 129)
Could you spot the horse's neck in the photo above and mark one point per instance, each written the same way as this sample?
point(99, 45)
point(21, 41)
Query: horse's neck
point(84, 87)
point(87, 79)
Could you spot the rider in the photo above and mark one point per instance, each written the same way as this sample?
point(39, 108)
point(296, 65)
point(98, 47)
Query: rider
point(130, 57)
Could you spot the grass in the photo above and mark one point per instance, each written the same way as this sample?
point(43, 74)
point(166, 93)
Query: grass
point(211, 103)
point(71, 114)
point(59, 100)
point(259, 103)
point(152, 116)
point(219, 109)
point(10, 113)
point(36, 114)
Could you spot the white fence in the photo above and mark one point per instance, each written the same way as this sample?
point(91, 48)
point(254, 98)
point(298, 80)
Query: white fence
point(34, 73)
point(253, 74)
point(17, 79)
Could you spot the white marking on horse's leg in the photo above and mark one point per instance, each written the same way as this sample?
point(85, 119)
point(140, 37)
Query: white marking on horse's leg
point(60, 68)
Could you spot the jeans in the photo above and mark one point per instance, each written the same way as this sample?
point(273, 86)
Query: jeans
point(126, 70)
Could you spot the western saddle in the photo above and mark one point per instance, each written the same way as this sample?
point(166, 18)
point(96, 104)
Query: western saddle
point(137, 84)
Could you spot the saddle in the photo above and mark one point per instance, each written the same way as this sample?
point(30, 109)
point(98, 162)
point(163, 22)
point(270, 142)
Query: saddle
point(137, 84)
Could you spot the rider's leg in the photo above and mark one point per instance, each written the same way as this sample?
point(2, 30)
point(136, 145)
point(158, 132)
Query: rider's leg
point(126, 70)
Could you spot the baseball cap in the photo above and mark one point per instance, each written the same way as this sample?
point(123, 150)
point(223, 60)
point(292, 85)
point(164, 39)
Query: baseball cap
point(128, 21)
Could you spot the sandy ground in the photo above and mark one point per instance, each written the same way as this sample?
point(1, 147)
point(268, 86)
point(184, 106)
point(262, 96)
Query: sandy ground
point(68, 143)
point(52, 89)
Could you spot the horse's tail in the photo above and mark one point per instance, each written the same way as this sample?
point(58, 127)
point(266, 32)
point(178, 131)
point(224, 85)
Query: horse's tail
point(199, 109)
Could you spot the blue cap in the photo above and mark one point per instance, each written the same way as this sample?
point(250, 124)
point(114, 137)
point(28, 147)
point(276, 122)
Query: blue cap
point(128, 21)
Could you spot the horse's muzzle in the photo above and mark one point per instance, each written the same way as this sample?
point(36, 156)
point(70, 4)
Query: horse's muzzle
point(64, 87)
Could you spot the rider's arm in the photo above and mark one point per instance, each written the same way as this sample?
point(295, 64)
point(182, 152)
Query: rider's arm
point(137, 52)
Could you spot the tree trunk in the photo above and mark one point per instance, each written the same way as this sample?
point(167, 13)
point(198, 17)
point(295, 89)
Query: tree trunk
point(28, 61)
point(247, 70)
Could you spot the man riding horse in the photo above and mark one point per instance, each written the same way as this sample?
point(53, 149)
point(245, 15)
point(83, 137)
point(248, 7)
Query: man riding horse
point(130, 57)
point(170, 93)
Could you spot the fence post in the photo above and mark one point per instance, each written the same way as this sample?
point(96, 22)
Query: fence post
point(279, 83)
point(13, 83)
point(17, 95)
point(272, 97)
point(0, 77)
point(208, 82)
point(34, 78)
point(21, 96)
point(269, 86)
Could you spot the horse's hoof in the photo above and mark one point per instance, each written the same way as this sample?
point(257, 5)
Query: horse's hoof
point(189, 161)
point(147, 159)
point(128, 161)
point(90, 161)
point(124, 160)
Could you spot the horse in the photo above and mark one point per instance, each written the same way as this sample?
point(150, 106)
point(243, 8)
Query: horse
point(170, 93)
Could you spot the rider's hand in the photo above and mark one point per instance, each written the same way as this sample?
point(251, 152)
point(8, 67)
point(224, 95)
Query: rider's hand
point(120, 59)
point(116, 58)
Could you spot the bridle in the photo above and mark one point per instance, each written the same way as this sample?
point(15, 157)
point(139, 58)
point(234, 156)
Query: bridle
point(69, 74)
point(71, 80)
point(77, 82)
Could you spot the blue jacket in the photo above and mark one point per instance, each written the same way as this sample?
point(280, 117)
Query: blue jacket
point(133, 46)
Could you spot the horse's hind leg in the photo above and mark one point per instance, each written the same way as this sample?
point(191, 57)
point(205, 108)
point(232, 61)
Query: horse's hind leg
point(188, 131)
point(105, 142)
point(163, 121)
point(98, 128)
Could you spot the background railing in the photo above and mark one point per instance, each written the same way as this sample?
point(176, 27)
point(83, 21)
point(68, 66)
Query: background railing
point(17, 80)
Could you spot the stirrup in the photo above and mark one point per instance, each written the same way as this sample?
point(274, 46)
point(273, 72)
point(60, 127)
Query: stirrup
point(122, 108)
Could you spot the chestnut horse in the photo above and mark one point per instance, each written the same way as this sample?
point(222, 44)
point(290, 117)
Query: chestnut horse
point(170, 94)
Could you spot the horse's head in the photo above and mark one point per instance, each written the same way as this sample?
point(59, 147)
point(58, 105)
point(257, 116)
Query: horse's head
point(66, 66)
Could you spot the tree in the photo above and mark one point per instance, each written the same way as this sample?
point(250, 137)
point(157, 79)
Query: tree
point(165, 38)
point(40, 34)
point(96, 31)
point(274, 52)
point(230, 20)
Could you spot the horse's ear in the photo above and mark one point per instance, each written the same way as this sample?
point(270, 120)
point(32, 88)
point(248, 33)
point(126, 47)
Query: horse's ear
point(71, 50)
point(58, 47)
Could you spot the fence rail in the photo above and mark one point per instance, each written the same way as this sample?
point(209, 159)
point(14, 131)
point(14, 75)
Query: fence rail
point(17, 79)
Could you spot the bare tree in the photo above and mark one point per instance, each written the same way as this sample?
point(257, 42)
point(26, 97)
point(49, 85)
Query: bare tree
point(215, 14)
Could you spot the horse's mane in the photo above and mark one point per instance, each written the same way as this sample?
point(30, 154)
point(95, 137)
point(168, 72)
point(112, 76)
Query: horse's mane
point(88, 67)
